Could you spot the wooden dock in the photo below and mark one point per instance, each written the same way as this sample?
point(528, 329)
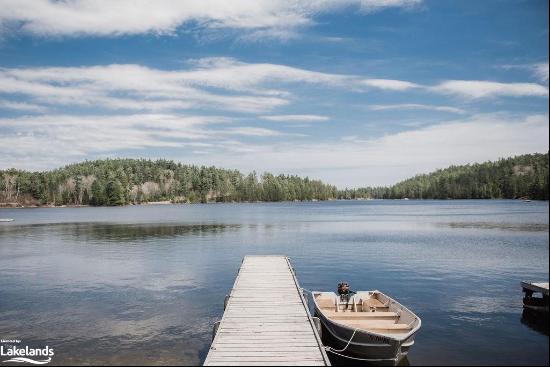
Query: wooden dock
point(531, 298)
point(266, 320)
point(533, 287)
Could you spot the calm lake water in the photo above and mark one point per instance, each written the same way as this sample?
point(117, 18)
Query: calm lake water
point(132, 285)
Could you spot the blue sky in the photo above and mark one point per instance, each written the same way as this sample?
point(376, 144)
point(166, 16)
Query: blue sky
point(353, 92)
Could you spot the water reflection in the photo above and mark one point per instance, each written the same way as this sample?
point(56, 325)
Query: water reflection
point(537, 321)
point(521, 227)
point(123, 232)
point(342, 361)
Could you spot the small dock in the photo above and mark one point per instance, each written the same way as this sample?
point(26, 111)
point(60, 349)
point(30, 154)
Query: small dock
point(533, 287)
point(266, 320)
point(535, 296)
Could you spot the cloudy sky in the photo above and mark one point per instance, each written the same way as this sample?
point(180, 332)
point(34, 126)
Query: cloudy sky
point(356, 93)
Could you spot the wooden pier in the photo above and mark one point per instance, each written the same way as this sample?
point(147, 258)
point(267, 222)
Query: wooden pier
point(531, 301)
point(266, 320)
point(533, 287)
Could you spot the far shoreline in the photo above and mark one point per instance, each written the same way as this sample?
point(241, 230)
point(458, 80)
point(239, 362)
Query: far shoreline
point(167, 202)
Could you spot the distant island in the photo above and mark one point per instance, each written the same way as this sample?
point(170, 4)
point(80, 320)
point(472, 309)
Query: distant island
point(112, 182)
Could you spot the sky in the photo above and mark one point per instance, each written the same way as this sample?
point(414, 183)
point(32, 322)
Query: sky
point(353, 92)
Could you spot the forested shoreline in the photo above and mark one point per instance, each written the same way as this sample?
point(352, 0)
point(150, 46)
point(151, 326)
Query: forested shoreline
point(524, 176)
point(113, 182)
point(136, 181)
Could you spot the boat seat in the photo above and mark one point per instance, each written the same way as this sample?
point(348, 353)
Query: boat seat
point(361, 315)
point(376, 325)
point(325, 302)
point(372, 302)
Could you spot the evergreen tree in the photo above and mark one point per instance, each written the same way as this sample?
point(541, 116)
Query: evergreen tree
point(98, 194)
point(114, 194)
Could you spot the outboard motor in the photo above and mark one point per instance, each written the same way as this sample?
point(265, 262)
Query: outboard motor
point(344, 291)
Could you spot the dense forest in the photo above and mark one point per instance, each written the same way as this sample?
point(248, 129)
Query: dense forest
point(135, 181)
point(524, 176)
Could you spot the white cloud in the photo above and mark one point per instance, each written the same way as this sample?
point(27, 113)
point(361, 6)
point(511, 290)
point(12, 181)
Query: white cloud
point(208, 83)
point(108, 18)
point(390, 84)
point(484, 89)
point(415, 106)
point(469, 88)
point(269, 34)
point(374, 5)
point(464, 88)
point(295, 118)
point(103, 133)
point(52, 136)
point(250, 131)
point(211, 83)
point(223, 72)
point(540, 71)
point(393, 157)
point(21, 106)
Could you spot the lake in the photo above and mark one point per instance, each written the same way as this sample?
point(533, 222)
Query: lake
point(145, 284)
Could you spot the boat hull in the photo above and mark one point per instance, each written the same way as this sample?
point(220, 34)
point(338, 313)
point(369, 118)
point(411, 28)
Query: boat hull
point(364, 345)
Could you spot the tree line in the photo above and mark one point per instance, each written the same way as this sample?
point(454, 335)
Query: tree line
point(135, 181)
point(524, 176)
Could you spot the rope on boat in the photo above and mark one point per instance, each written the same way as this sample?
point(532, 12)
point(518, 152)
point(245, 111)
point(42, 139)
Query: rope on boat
point(346, 347)
point(332, 350)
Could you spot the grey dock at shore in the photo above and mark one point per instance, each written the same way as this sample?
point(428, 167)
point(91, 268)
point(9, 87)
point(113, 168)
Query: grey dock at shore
point(540, 287)
point(531, 298)
point(266, 319)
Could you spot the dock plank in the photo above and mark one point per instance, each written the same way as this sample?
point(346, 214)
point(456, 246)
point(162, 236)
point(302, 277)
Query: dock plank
point(266, 320)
